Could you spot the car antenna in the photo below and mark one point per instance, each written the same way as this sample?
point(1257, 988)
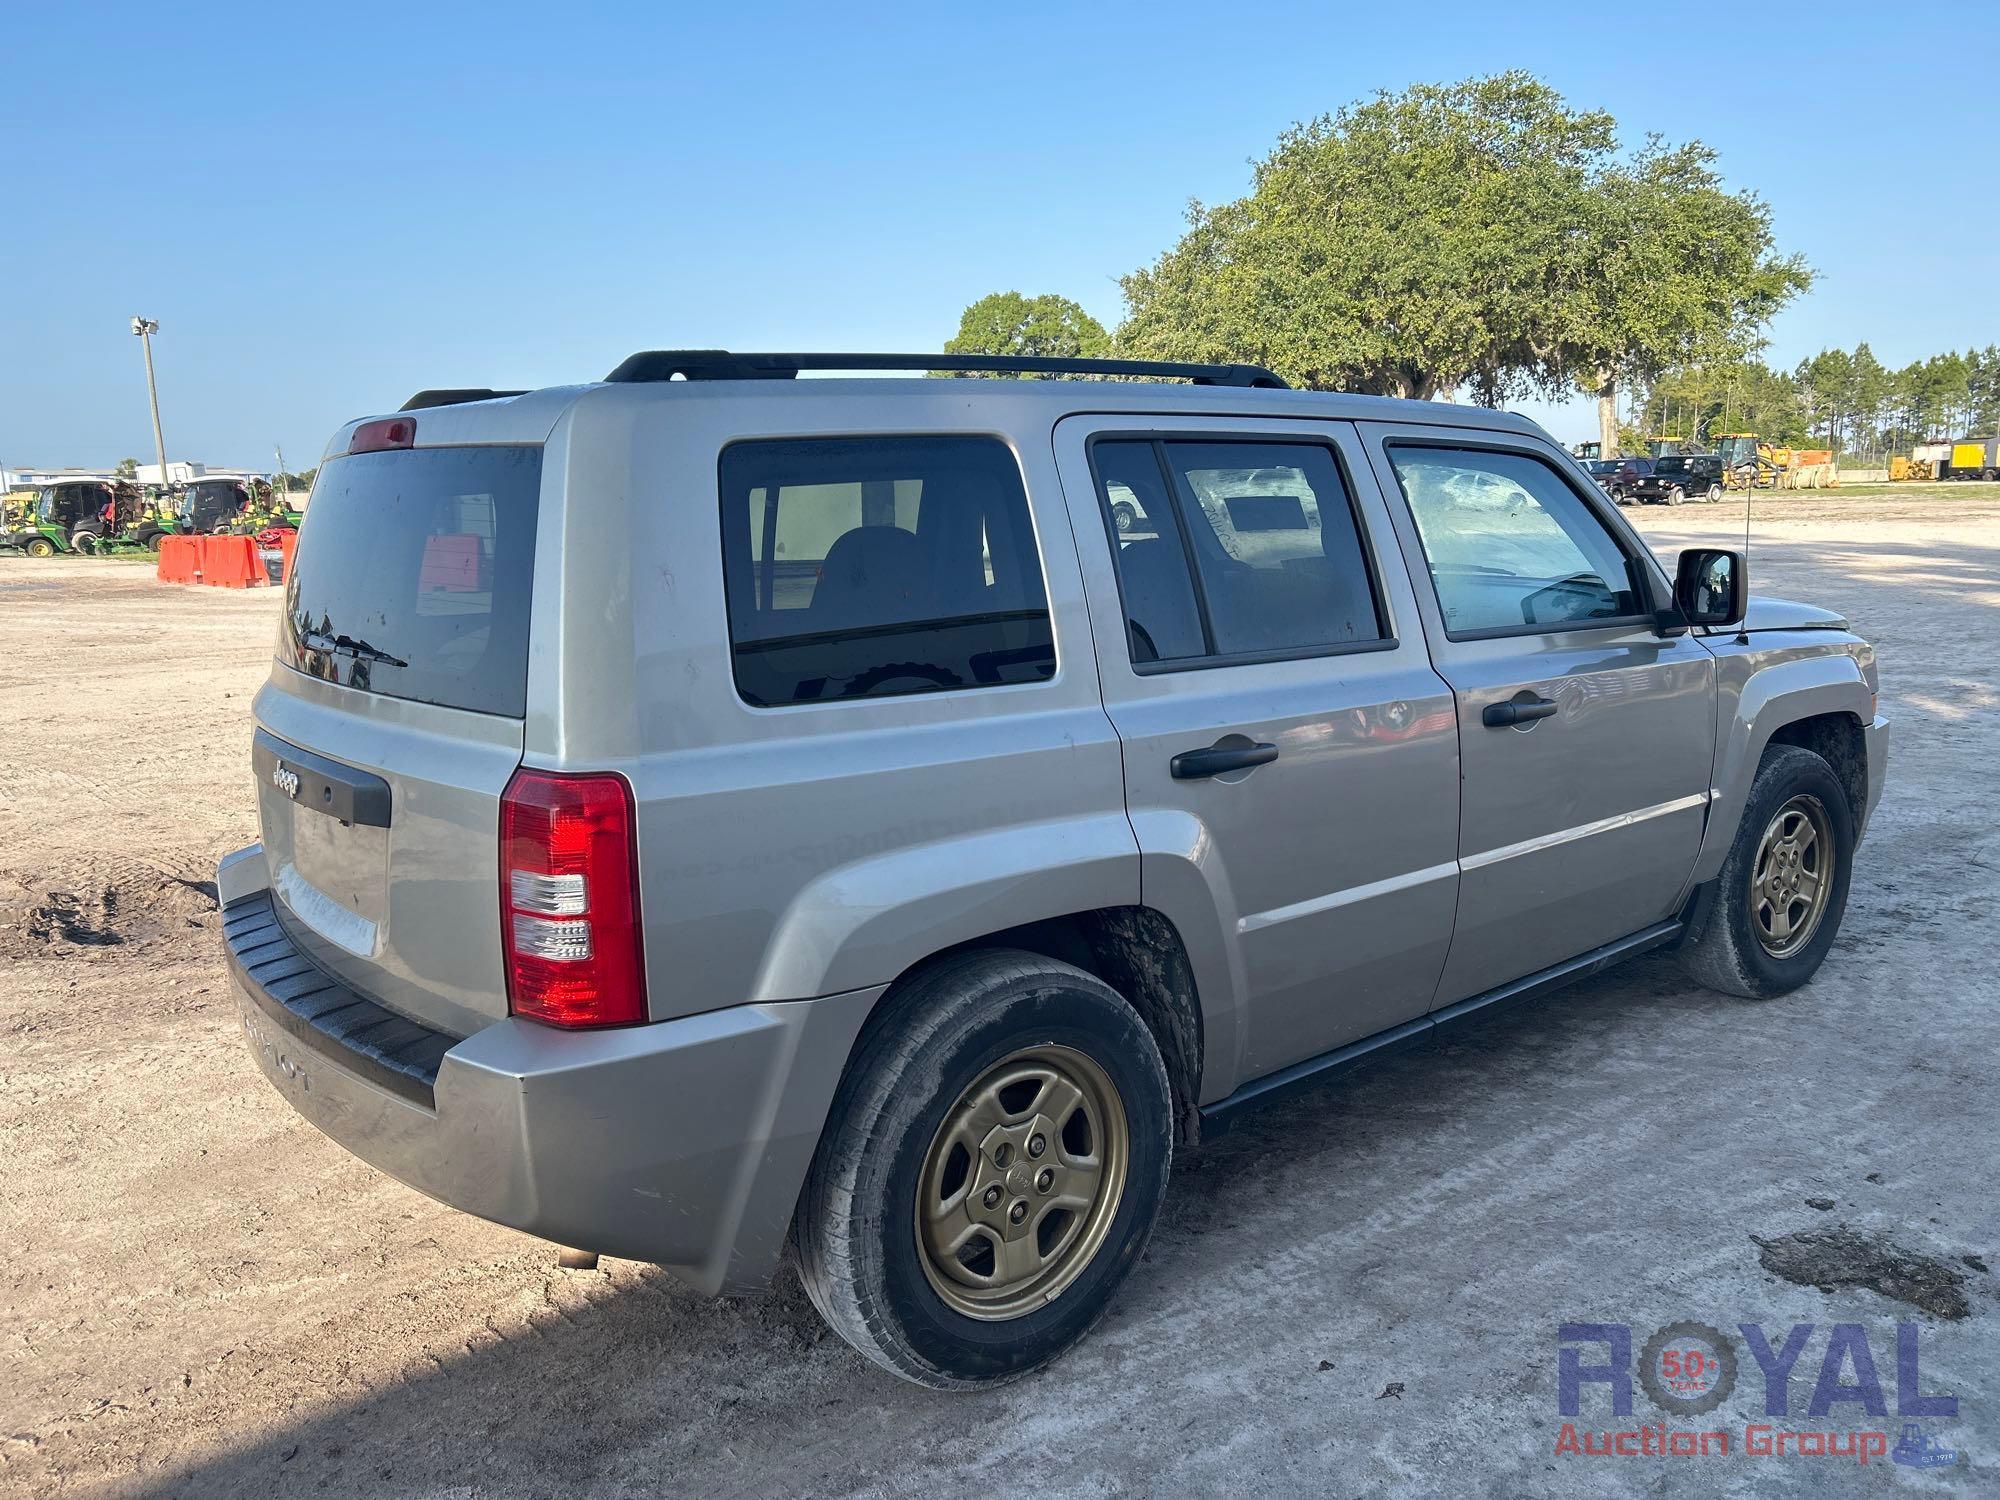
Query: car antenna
point(1749, 488)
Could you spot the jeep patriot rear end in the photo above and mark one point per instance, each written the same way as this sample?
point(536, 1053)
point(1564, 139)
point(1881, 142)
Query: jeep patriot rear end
point(886, 817)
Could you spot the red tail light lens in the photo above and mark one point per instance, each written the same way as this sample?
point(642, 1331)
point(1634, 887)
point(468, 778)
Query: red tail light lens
point(390, 432)
point(569, 900)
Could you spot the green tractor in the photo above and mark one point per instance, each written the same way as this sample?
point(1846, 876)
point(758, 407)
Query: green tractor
point(74, 515)
point(233, 507)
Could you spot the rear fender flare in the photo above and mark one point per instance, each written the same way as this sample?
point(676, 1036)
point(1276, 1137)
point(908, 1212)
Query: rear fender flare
point(867, 922)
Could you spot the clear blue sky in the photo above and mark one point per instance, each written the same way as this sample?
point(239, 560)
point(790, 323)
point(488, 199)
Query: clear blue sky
point(328, 207)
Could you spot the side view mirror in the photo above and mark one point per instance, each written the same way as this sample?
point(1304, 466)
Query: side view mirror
point(1712, 586)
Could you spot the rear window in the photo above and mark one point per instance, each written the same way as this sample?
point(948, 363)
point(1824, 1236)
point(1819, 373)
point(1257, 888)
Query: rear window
point(879, 566)
point(413, 574)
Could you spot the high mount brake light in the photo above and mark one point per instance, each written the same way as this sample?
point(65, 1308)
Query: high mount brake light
point(569, 900)
point(390, 432)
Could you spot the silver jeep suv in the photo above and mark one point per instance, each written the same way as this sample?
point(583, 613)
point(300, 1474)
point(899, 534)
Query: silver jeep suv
point(708, 813)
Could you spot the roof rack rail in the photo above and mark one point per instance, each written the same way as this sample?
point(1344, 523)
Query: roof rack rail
point(721, 364)
point(455, 396)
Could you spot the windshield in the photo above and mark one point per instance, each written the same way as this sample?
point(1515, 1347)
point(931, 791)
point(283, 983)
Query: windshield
point(413, 573)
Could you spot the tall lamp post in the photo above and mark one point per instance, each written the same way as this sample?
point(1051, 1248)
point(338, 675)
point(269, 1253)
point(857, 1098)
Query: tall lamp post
point(145, 328)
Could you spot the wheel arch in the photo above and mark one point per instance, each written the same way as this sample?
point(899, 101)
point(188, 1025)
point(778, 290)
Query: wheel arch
point(1821, 702)
point(1136, 950)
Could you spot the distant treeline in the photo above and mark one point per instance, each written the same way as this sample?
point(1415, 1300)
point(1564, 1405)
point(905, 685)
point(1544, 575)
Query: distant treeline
point(1847, 400)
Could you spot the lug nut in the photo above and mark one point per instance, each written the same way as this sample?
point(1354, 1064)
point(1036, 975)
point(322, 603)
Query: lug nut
point(1002, 1154)
point(1036, 1145)
point(1045, 1181)
point(1019, 1211)
point(992, 1197)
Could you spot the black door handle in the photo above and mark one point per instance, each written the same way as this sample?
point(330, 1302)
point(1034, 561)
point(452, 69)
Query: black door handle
point(1518, 711)
point(1218, 760)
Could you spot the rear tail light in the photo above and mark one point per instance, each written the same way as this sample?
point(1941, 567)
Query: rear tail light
point(569, 900)
point(390, 432)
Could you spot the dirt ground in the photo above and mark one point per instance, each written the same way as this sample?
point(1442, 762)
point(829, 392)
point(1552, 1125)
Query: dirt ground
point(1356, 1292)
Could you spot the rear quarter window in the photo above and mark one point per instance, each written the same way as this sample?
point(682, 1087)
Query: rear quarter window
point(413, 575)
point(879, 567)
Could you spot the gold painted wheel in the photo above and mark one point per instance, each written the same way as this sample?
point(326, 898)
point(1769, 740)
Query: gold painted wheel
point(1792, 876)
point(1022, 1183)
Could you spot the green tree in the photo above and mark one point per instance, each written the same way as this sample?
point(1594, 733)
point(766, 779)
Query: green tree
point(1478, 234)
point(1868, 394)
point(1401, 246)
point(1009, 323)
point(128, 468)
point(1670, 268)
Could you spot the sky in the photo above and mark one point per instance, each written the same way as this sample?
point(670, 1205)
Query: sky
point(329, 207)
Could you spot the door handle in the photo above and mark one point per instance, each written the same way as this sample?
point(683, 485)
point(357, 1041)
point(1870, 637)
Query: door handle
point(1522, 710)
point(1219, 760)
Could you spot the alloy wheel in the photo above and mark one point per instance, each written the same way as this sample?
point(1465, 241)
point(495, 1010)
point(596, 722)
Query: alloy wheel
point(1022, 1183)
point(1792, 877)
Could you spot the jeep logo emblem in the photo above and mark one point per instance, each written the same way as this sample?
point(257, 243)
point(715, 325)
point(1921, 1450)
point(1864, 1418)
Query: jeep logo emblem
point(284, 780)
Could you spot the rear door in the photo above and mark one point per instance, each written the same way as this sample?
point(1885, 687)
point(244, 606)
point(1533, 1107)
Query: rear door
point(393, 720)
point(1586, 737)
point(1291, 761)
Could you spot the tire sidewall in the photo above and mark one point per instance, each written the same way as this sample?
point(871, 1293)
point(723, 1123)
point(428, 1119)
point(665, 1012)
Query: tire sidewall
point(1782, 778)
point(966, 1350)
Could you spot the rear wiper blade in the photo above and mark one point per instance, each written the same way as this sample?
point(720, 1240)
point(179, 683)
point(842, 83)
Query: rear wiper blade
point(319, 640)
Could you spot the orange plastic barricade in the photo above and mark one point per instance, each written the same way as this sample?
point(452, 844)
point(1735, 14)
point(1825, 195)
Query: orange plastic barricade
point(231, 562)
point(180, 559)
point(287, 541)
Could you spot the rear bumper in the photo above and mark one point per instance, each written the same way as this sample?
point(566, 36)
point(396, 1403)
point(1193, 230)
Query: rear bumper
point(681, 1142)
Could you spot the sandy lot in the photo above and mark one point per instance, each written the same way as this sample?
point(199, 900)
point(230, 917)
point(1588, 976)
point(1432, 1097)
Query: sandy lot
point(1356, 1292)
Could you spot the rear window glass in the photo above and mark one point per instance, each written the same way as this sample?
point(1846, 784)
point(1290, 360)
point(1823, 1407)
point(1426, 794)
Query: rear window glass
point(880, 566)
point(413, 574)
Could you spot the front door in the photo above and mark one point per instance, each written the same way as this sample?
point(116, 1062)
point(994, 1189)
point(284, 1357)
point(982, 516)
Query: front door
point(1586, 736)
point(1291, 761)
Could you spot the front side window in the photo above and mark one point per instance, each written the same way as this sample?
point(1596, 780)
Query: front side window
point(1510, 545)
point(1246, 549)
point(880, 566)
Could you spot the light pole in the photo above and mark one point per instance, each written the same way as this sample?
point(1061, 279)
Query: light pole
point(145, 328)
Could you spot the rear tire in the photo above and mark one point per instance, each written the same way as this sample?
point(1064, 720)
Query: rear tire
point(1714, 493)
point(1747, 948)
point(969, 1057)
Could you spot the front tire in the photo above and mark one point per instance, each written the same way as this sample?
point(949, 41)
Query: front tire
point(1783, 889)
point(1677, 496)
point(990, 1173)
point(41, 546)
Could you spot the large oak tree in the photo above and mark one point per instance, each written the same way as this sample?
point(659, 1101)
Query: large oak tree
point(1481, 234)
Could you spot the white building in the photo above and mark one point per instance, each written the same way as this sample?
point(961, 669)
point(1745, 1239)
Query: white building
point(179, 471)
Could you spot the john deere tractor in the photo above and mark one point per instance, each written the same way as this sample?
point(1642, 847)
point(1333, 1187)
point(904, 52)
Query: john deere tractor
point(74, 515)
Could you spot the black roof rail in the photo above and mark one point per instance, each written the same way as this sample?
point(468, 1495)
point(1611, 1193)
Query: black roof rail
point(721, 364)
point(454, 396)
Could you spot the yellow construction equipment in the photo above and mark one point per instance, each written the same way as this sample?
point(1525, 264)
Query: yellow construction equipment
point(1901, 468)
point(1747, 459)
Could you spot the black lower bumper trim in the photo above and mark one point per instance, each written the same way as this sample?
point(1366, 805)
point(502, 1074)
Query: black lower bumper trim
point(391, 1051)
